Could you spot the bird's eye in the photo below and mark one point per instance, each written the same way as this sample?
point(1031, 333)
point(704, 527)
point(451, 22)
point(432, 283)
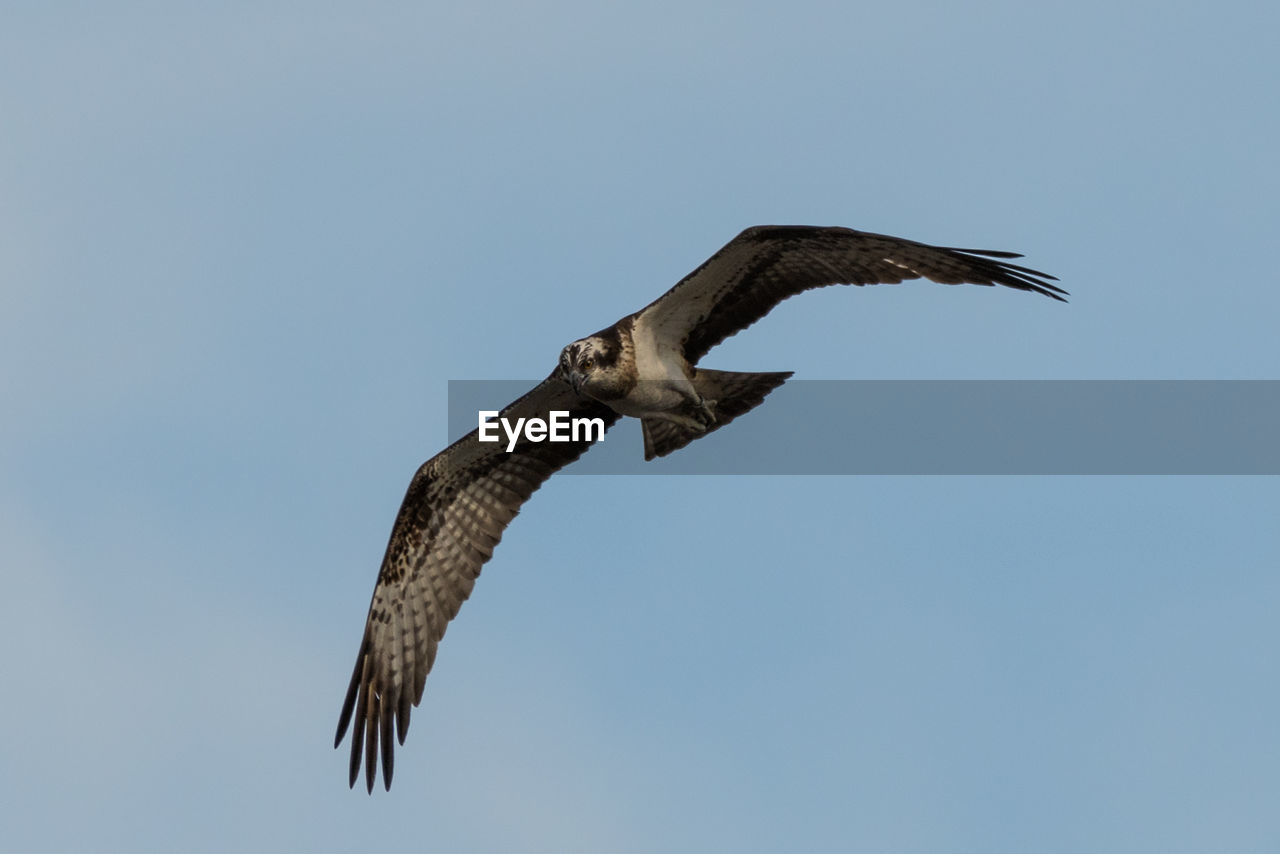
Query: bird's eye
point(587, 364)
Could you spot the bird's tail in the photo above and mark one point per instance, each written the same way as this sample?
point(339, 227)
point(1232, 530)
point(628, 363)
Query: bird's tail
point(732, 394)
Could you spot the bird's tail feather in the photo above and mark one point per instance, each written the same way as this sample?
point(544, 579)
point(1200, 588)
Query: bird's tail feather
point(733, 393)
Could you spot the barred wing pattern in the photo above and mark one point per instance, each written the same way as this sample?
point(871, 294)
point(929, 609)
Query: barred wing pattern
point(460, 501)
point(453, 515)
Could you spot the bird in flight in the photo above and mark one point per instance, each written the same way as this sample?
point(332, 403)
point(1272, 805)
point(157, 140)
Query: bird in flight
point(645, 366)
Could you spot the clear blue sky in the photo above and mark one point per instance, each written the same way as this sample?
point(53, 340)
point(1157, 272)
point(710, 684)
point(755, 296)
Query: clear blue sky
point(246, 245)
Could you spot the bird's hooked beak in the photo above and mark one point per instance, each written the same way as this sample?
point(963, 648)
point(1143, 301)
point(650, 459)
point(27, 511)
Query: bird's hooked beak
point(575, 379)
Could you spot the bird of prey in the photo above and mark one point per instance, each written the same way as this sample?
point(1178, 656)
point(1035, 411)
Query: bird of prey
point(646, 366)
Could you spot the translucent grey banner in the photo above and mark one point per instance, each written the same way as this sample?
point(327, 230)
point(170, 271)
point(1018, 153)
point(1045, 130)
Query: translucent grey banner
point(1066, 427)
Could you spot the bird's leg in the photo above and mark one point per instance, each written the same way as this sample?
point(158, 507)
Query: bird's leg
point(708, 410)
point(700, 413)
point(695, 412)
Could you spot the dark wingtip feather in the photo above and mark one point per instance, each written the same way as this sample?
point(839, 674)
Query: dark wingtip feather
point(370, 740)
point(1015, 275)
point(357, 745)
point(1029, 271)
point(990, 253)
point(402, 718)
point(344, 719)
point(388, 749)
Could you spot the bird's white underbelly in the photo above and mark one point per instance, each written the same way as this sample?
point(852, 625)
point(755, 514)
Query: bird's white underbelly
point(661, 382)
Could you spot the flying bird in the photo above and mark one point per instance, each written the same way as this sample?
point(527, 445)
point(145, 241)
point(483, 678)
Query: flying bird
point(645, 366)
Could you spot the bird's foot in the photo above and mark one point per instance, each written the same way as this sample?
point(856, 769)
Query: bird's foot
point(703, 415)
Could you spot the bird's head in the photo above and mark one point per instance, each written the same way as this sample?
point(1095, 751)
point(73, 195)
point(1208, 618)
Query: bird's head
point(590, 365)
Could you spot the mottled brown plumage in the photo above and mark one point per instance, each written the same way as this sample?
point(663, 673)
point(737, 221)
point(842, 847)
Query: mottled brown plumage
point(452, 517)
point(461, 500)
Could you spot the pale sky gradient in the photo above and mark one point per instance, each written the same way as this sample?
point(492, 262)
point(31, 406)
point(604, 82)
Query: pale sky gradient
point(246, 246)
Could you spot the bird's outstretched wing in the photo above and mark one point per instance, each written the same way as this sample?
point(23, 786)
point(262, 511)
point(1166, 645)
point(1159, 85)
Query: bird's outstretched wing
point(765, 264)
point(452, 517)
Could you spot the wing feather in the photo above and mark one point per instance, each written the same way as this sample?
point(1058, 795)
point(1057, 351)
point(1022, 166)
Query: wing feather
point(460, 501)
point(766, 264)
point(452, 517)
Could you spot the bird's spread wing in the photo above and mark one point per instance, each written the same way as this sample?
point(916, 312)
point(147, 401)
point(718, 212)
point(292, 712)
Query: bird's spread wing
point(453, 516)
point(765, 264)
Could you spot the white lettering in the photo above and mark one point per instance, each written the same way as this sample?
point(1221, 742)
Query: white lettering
point(512, 434)
point(559, 427)
point(559, 421)
point(487, 424)
point(587, 424)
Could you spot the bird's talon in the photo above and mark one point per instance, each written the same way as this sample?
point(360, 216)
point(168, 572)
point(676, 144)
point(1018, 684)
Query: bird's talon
point(706, 412)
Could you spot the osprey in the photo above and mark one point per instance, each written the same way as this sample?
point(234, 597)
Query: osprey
point(646, 366)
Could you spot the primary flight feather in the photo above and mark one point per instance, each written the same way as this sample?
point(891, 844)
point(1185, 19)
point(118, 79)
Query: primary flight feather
point(645, 365)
